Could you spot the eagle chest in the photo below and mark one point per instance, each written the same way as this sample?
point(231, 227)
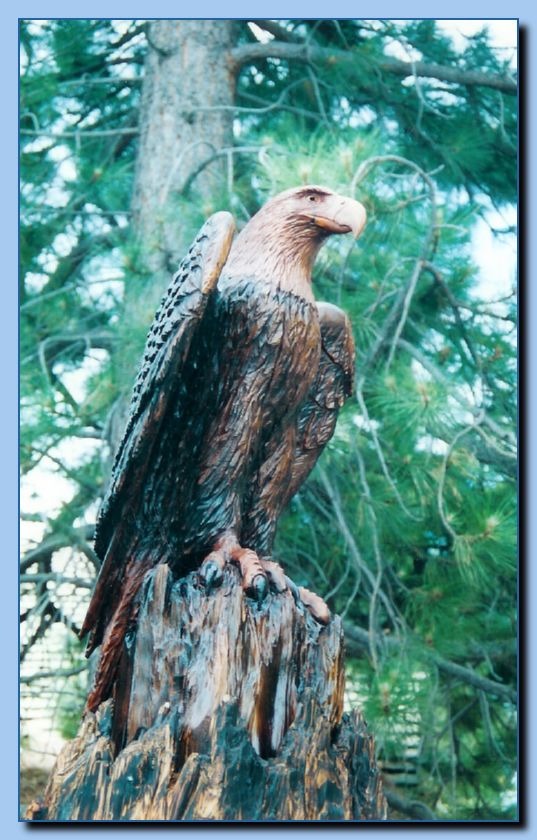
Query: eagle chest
point(270, 346)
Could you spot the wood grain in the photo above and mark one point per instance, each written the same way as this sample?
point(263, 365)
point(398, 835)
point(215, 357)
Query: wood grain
point(222, 710)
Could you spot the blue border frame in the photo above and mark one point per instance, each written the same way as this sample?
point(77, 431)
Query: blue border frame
point(9, 338)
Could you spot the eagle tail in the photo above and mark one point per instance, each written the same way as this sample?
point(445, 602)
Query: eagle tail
point(116, 630)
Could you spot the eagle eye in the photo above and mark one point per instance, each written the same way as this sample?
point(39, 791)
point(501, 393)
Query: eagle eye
point(313, 197)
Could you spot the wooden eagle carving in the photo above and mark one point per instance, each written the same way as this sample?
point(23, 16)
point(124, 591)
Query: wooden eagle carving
point(238, 392)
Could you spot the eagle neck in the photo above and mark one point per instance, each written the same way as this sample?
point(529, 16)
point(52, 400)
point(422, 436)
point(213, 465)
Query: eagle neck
point(278, 253)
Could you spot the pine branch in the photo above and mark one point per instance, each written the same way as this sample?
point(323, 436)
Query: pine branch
point(398, 314)
point(47, 616)
point(285, 51)
point(413, 809)
point(69, 265)
point(54, 345)
point(100, 63)
point(502, 433)
point(81, 132)
point(53, 543)
point(360, 640)
point(432, 269)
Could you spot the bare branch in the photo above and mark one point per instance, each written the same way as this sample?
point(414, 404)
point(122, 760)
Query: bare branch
point(279, 104)
point(412, 808)
point(57, 578)
point(81, 132)
point(360, 565)
point(51, 347)
point(285, 51)
point(53, 675)
point(46, 613)
point(52, 544)
point(108, 80)
point(230, 150)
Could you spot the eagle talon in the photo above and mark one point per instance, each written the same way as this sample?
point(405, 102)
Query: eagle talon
point(211, 571)
point(259, 588)
point(315, 605)
point(312, 602)
point(211, 575)
point(275, 575)
point(293, 589)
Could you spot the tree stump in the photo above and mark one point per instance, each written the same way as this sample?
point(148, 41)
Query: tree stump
point(222, 710)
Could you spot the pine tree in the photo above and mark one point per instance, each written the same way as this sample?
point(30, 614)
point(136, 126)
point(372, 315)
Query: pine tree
point(407, 526)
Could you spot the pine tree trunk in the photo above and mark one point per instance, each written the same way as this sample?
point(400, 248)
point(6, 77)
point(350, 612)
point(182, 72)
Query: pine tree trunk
point(186, 117)
point(223, 710)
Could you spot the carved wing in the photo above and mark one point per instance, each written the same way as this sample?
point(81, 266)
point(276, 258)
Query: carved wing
point(293, 452)
point(166, 353)
point(331, 388)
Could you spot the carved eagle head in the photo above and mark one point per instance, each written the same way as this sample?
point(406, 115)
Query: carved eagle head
point(316, 212)
point(283, 238)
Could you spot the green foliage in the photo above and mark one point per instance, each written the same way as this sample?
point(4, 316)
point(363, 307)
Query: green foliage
point(73, 698)
point(407, 525)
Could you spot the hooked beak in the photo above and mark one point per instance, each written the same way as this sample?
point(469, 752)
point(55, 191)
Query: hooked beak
point(345, 215)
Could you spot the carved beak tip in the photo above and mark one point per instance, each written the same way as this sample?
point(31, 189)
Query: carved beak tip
point(353, 214)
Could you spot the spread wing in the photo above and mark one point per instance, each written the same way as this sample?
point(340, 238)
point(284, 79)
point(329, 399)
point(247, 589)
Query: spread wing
point(166, 354)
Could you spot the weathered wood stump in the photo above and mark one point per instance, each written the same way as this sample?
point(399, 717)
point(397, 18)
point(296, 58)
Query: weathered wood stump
point(222, 710)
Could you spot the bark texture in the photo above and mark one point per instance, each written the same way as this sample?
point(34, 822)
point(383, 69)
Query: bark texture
point(223, 710)
point(185, 117)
